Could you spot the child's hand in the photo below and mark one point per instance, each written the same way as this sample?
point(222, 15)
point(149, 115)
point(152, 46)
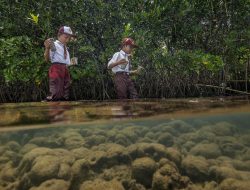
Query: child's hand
point(134, 72)
point(140, 68)
point(137, 71)
point(122, 62)
point(47, 43)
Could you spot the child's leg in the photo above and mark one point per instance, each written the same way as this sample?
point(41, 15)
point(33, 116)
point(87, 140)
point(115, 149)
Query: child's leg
point(55, 86)
point(121, 86)
point(66, 84)
point(56, 82)
point(132, 91)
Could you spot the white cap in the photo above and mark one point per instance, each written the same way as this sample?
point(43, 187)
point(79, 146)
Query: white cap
point(66, 30)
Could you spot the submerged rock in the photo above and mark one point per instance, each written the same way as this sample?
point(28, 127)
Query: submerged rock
point(196, 167)
point(234, 184)
point(188, 145)
point(10, 155)
point(27, 148)
point(122, 140)
point(10, 152)
point(143, 170)
point(174, 128)
point(206, 150)
point(150, 135)
point(154, 150)
point(241, 165)
point(80, 171)
point(10, 186)
point(45, 167)
point(42, 164)
point(220, 173)
point(224, 129)
point(246, 155)
point(94, 140)
point(207, 186)
point(72, 139)
point(181, 126)
point(80, 168)
point(132, 133)
point(145, 140)
point(212, 185)
point(99, 184)
point(53, 184)
point(237, 164)
point(205, 135)
point(50, 142)
point(232, 149)
point(34, 153)
point(199, 136)
point(13, 146)
point(121, 173)
point(174, 155)
point(8, 172)
point(168, 177)
point(245, 139)
point(166, 139)
point(111, 155)
point(80, 153)
point(74, 142)
point(136, 186)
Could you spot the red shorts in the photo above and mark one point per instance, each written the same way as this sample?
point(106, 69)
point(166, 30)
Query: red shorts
point(59, 81)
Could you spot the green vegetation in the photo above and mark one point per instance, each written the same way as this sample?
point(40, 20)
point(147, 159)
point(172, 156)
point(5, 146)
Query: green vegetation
point(182, 43)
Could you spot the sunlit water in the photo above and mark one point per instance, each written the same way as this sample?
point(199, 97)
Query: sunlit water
point(188, 144)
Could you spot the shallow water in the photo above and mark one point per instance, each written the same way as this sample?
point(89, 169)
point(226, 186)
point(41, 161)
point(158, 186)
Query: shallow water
point(148, 144)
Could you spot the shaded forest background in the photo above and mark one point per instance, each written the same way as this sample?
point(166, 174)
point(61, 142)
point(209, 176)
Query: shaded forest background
point(184, 44)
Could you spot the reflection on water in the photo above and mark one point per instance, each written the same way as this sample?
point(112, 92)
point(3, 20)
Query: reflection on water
point(75, 112)
point(199, 144)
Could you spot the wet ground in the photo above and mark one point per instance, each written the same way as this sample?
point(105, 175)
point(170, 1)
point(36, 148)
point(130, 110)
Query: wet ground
point(189, 144)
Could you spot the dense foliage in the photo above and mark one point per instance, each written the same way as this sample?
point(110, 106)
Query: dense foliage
point(182, 43)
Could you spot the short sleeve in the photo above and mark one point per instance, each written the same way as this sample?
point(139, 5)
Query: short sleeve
point(114, 58)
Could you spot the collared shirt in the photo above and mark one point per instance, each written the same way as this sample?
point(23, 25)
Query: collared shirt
point(117, 57)
point(58, 55)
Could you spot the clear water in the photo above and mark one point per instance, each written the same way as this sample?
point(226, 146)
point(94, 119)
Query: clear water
point(187, 144)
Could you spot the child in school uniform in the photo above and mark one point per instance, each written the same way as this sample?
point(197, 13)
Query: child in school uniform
point(58, 55)
point(121, 67)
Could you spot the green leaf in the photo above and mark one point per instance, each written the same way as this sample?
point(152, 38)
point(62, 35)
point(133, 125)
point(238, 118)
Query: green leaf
point(34, 18)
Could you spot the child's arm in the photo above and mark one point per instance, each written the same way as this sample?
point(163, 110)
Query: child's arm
point(47, 50)
point(137, 71)
point(134, 72)
point(122, 61)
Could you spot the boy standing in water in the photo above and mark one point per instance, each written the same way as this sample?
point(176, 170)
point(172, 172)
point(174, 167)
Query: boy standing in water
point(121, 65)
point(57, 53)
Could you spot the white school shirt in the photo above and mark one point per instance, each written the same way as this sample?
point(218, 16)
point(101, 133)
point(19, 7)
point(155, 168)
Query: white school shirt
point(58, 55)
point(118, 56)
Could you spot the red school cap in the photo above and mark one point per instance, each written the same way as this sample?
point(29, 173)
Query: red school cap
point(129, 41)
